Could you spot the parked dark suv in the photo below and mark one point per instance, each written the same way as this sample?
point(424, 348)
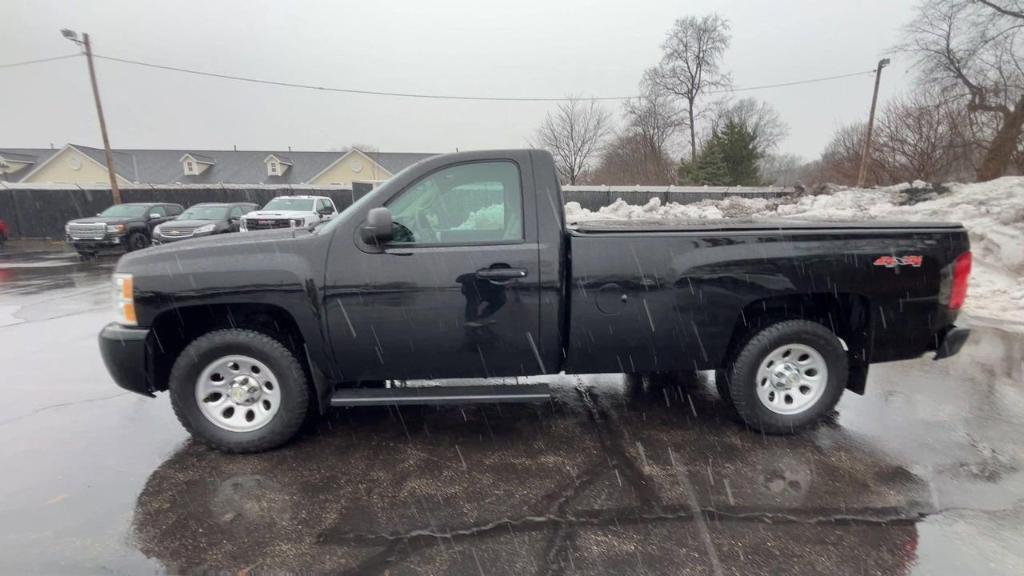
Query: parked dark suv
point(122, 227)
point(203, 220)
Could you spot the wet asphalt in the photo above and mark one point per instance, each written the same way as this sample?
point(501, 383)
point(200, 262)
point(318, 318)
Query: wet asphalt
point(614, 476)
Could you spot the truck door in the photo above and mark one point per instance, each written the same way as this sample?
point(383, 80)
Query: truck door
point(456, 293)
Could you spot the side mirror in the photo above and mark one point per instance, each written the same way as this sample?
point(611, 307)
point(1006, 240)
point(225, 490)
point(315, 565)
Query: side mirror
point(378, 228)
point(154, 216)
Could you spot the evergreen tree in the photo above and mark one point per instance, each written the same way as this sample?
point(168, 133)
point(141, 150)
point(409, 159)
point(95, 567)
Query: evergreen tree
point(729, 158)
point(709, 169)
point(738, 146)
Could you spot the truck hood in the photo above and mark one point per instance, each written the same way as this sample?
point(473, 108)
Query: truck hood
point(276, 213)
point(187, 223)
point(256, 245)
point(102, 220)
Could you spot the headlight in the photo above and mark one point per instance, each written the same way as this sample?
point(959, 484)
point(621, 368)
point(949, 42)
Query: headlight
point(115, 228)
point(67, 228)
point(124, 300)
point(205, 228)
point(298, 222)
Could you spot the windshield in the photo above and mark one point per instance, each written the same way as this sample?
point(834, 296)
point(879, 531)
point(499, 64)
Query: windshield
point(125, 211)
point(285, 203)
point(205, 212)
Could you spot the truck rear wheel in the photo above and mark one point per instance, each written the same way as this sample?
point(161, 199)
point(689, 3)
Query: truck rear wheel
point(239, 391)
point(787, 376)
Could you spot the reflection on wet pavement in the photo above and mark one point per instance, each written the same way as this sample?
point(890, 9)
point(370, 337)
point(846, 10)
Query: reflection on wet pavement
point(614, 476)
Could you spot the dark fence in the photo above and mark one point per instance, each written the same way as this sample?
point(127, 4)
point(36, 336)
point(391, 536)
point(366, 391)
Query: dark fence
point(40, 211)
point(34, 211)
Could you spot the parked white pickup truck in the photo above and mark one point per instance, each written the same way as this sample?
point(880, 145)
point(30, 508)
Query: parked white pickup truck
point(290, 212)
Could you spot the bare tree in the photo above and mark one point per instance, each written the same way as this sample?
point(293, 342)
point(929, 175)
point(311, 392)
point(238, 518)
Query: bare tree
point(781, 169)
point(1011, 8)
point(921, 137)
point(974, 52)
point(691, 63)
point(841, 159)
point(628, 160)
point(760, 118)
point(654, 120)
point(573, 134)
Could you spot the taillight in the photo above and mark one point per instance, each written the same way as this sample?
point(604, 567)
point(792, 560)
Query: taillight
point(961, 270)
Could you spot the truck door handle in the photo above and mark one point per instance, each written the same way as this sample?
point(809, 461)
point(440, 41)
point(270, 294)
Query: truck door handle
point(501, 275)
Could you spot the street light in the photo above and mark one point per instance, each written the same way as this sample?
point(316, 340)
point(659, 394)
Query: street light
point(115, 192)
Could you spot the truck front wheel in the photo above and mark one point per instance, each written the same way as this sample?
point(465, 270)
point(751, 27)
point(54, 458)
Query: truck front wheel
point(239, 391)
point(136, 241)
point(787, 376)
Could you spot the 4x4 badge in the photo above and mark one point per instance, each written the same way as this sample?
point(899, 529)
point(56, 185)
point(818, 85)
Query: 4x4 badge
point(894, 261)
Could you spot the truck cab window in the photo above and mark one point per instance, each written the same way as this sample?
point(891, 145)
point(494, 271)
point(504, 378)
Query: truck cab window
point(469, 203)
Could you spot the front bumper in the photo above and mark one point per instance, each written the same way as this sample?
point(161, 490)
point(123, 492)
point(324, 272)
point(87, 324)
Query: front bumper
point(124, 352)
point(107, 244)
point(159, 239)
point(950, 341)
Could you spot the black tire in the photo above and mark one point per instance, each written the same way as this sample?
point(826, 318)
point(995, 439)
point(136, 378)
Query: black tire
point(742, 375)
point(136, 241)
point(291, 380)
point(722, 385)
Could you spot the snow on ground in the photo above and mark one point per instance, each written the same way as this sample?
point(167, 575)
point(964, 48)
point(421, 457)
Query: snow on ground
point(993, 213)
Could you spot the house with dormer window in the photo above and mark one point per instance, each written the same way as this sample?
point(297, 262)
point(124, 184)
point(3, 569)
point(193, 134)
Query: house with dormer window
point(277, 164)
point(195, 164)
point(85, 165)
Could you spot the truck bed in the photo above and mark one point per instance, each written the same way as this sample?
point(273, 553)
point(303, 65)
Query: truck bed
point(668, 295)
point(731, 225)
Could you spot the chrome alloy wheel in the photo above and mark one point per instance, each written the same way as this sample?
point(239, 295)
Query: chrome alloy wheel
point(238, 393)
point(791, 379)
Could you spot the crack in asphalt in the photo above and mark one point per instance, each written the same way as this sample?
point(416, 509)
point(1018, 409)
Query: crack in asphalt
point(632, 517)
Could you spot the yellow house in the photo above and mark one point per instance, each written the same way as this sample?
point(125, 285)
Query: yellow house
point(84, 165)
point(354, 166)
point(71, 166)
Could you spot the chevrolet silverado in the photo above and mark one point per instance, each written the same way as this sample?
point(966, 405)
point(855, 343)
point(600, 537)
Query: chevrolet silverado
point(461, 266)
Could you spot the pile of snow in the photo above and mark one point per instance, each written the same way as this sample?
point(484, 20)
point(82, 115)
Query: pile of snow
point(487, 218)
point(993, 213)
point(620, 210)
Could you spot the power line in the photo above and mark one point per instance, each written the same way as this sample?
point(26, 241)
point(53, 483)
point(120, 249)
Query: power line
point(793, 83)
point(446, 96)
point(39, 61)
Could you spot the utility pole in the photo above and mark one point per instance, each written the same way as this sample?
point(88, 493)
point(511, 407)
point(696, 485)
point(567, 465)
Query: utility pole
point(871, 125)
point(115, 192)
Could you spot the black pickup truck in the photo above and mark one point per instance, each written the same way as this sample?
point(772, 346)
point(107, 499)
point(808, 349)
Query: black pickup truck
point(461, 266)
point(122, 227)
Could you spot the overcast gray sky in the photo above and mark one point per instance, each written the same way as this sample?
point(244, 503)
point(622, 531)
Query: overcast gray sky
point(521, 48)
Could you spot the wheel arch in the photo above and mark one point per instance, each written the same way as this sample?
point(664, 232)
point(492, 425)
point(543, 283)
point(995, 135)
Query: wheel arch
point(172, 330)
point(846, 314)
